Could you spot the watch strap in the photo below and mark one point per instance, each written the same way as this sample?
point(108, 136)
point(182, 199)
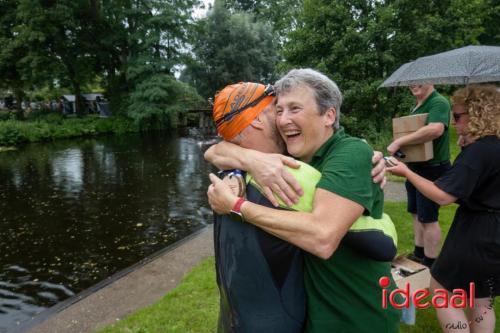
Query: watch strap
point(237, 205)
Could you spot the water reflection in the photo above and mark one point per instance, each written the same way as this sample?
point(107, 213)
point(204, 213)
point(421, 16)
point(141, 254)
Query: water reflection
point(73, 213)
point(67, 171)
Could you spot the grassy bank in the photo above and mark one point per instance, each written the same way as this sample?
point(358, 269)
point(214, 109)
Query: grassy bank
point(193, 306)
point(15, 133)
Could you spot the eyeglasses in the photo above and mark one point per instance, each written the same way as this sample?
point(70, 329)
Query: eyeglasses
point(269, 91)
point(457, 116)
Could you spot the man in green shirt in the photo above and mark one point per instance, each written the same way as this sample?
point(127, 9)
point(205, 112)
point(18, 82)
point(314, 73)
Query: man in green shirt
point(425, 212)
point(342, 286)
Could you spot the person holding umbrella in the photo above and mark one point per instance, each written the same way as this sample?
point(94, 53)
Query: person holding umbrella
point(471, 252)
point(425, 212)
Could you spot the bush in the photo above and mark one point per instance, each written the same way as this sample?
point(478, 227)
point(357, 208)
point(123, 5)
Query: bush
point(366, 129)
point(156, 101)
point(6, 115)
point(55, 126)
point(10, 135)
point(41, 113)
point(53, 118)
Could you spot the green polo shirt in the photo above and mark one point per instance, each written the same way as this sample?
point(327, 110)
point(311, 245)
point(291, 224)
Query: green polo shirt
point(343, 294)
point(438, 108)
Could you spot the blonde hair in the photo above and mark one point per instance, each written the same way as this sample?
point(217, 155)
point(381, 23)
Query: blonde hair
point(482, 103)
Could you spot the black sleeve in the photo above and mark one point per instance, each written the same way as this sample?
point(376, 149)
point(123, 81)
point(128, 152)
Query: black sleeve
point(461, 180)
point(373, 244)
point(278, 253)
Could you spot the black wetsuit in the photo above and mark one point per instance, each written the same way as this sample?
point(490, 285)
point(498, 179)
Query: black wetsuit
point(260, 277)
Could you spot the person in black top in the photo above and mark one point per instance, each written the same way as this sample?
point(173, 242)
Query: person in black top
point(471, 252)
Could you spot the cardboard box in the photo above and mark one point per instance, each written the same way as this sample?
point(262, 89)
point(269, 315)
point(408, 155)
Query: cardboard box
point(406, 125)
point(405, 271)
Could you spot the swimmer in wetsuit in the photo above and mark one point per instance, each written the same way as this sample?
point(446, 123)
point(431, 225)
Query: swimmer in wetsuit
point(260, 276)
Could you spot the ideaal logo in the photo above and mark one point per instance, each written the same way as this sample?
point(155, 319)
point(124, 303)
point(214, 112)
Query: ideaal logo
point(439, 300)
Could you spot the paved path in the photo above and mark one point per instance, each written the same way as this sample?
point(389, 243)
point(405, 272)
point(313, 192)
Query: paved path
point(395, 191)
point(137, 289)
point(141, 285)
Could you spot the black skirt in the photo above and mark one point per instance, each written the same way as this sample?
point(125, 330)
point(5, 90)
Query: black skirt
point(471, 253)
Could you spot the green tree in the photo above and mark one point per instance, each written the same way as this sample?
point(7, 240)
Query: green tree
point(281, 14)
point(11, 51)
point(126, 45)
point(491, 35)
point(427, 27)
point(157, 41)
point(358, 43)
point(61, 41)
point(347, 40)
point(230, 48)
point(157, 101)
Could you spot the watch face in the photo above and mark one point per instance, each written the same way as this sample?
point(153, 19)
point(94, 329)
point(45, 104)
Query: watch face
point(236, 182)
point(236, 216)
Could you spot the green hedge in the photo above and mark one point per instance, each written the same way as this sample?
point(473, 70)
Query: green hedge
point(13, 132)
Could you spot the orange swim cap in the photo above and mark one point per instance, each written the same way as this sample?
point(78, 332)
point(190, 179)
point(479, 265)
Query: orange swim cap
point(237, 105)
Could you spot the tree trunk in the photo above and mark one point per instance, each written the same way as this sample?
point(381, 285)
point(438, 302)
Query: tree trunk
point(19, 95)
point(79, 104)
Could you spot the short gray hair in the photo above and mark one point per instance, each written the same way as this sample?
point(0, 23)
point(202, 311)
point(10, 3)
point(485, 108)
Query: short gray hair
point(326, 92)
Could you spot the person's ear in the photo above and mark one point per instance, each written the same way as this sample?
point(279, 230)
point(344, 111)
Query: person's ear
point(330, 116)
point(257, 123)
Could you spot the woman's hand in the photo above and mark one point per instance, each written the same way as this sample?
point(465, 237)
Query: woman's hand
point(399, 168)
point(269, 172)
point(220, 196)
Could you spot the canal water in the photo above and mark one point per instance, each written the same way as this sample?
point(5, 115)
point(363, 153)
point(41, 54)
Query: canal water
point(74, 212)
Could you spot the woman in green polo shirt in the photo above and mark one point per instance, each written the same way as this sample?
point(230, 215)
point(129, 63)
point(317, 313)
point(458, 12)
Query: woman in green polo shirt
point(341, 285)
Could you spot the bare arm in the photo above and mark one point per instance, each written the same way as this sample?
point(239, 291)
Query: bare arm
point(318, 232)
point(225, 155)
point(267, 169)
point(425, 186)
point(424, 134)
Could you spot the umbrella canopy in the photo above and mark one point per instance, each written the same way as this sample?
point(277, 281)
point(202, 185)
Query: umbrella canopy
point(470, 64)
